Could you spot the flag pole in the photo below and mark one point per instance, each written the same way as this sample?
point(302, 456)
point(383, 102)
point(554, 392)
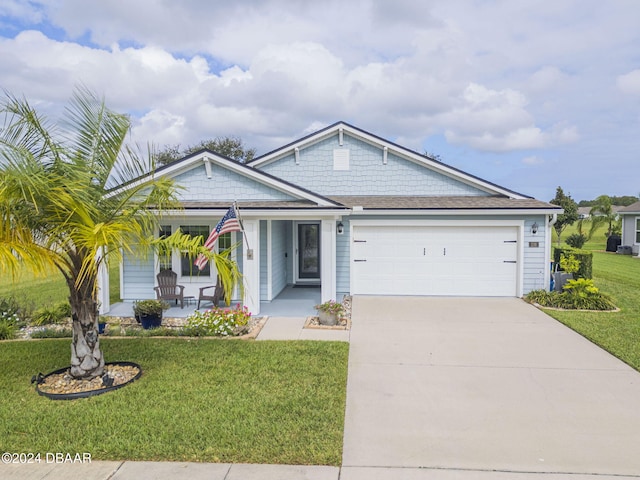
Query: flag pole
point(235, 207)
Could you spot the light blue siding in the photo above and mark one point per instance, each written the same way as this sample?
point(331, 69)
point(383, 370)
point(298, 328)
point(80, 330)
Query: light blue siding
point(278, 260)
point(138, 277)
point(223, 185)
point(367, 175)
point(343, 262)
point(535, 262)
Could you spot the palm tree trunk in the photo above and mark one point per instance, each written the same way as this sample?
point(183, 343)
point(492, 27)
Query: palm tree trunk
point(87, 360)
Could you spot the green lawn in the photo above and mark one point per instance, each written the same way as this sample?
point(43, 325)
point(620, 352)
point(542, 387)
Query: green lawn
point(618, 333)
point(197, 400)
point(34, 291)
point(618, 276)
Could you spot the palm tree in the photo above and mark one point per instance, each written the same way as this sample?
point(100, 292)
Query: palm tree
point(602, 213)
point(62, 206)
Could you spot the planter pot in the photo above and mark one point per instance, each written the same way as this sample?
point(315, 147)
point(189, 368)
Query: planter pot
point(101, 327)
point(559, 279)
point(150, 321)
point(327, 318)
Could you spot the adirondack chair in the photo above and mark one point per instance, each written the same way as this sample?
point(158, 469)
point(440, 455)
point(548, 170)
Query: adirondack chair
point(214, 297)
point(168, 288)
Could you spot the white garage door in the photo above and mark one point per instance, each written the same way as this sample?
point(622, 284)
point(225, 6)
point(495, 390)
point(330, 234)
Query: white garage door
point(421, 260)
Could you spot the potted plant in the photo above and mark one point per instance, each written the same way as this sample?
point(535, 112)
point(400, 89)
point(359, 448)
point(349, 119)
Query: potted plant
point(329, 312)
point(102, 323)
point(149, 312)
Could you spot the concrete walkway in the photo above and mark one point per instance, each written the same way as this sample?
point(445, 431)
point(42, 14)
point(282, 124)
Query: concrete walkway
point(461, 388)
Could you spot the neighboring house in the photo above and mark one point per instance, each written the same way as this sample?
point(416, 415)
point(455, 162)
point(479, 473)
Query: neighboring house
point(631, 226)
point(585, 212)
point(353, 213)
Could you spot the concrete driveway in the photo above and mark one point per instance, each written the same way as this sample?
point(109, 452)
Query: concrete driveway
point(472, 387)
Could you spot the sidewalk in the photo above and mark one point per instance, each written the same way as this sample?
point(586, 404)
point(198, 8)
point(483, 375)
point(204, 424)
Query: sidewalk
point(166, 471)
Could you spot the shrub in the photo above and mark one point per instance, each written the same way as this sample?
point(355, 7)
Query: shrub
point(50, 314)
point(583, 256)
point(580, 294)
point(576, 240)
point(218, 322)
point(8, 329)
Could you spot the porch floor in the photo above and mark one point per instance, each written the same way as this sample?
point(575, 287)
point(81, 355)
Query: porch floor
point(291, 302)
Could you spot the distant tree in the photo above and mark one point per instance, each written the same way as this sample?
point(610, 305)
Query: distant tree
point(570, 215)
point(623, 201)
point(232, 147)
point(171, 153)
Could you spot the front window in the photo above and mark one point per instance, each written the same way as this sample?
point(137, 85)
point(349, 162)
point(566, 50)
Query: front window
point(188, 269)
point(638, 230)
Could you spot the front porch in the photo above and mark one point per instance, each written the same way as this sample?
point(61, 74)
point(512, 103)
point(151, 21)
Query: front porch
point(293, 301)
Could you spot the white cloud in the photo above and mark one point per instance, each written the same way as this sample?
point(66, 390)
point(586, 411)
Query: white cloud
point(485, 76)
point(629, 83)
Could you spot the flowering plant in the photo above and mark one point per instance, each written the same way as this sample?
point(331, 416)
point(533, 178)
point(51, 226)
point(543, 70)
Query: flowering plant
point(218, 321)
point(9, 311)
point(331, 307)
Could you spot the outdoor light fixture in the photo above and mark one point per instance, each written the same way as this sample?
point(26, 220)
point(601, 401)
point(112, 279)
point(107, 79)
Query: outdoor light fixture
point(340, 228)
point(534, 228)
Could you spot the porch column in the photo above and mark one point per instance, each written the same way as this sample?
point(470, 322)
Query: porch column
point(251, 265)
point(328, 260)
point(103, 286)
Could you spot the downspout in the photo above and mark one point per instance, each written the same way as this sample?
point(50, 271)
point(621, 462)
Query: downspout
point(547, 274)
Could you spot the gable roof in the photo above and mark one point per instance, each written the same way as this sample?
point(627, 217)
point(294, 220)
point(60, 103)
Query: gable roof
point(633, 208)
point(207, 157)
point(340, 128)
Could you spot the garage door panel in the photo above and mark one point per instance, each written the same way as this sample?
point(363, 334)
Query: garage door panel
point(412, 260)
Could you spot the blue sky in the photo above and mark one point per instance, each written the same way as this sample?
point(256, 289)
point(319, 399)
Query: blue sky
point(526, 94)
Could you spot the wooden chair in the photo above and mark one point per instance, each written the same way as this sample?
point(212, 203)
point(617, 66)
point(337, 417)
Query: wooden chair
point(168, 288)
point(214, 298)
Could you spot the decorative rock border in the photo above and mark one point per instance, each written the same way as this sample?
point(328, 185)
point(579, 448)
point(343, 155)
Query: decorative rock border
point(91, 387)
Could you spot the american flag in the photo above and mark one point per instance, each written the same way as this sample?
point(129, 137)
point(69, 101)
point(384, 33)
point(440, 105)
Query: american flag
point(228, 223)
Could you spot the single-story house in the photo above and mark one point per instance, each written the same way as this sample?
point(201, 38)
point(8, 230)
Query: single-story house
point(631, 226)
point(353, 213)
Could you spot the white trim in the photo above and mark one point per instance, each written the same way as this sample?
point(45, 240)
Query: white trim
point(122, 253)
point(269, 262)
point(327, 260)
point(296, 245)
point(207, 167)
point(443, 212)
point(251, 268)
point(548, 239)
point(309, 214)
point(519, 224)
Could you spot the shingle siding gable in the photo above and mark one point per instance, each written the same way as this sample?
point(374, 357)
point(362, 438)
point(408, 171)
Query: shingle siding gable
point(367, 174)
point(224, 184)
